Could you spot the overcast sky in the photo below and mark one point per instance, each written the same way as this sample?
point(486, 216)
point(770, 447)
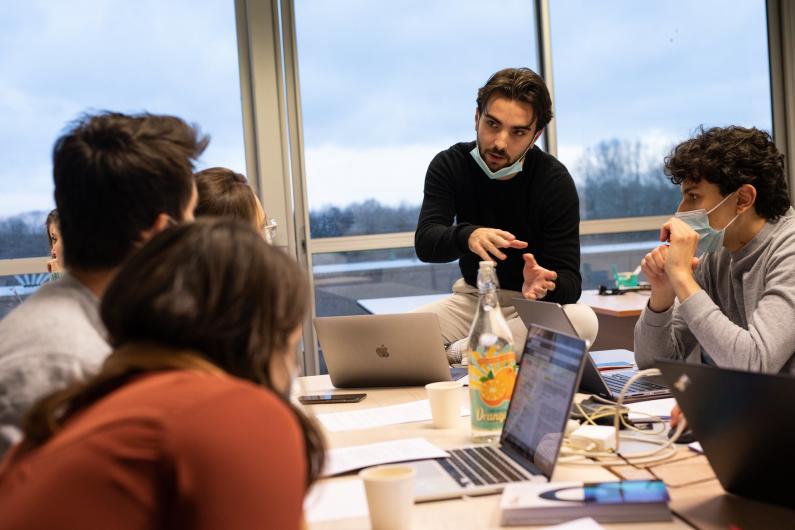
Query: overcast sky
point(385, 86)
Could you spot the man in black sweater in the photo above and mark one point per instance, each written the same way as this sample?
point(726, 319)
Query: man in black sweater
point(502, 199)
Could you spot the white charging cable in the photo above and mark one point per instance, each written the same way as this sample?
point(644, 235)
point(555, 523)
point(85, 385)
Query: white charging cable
point(617, 410)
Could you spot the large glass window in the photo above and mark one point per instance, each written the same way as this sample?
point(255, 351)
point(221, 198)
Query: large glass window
point(603, 254)
point(343, 279)
point(632, 79)
point(384, 87)
point(60, 59)
point(15, 289)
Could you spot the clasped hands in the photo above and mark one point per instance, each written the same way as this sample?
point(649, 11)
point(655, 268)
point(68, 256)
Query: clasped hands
point(487, 242)
point(669, 267)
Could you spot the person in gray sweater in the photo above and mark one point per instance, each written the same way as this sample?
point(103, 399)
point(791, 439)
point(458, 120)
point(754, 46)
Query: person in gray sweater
point(119, 180)
point(723, 282)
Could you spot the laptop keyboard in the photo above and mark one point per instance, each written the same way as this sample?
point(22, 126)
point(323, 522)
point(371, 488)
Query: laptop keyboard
point(615, 382)
point(478, 466)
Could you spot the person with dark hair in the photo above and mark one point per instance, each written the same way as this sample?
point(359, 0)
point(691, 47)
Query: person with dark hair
point(222, 192)
point(55, 265)
point(119, 180)
point(723, 281)
point(189, 423)
point(501, 198)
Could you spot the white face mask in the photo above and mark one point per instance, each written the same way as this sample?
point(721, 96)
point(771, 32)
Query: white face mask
point(508, 171)
point(709, 239)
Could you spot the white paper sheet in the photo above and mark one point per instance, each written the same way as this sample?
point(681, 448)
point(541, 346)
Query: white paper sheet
point(657, 407)
point(585, 523)
point(696, 446)
point(379, 416)
point(344, 459)
point(336, 499)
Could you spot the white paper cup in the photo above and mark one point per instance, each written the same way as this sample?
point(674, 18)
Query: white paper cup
point(390, 496)
point(445, 398)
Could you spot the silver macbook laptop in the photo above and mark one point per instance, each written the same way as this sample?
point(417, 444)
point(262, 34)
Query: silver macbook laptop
point(605, 384)
point(383, 350)
point(549, 371)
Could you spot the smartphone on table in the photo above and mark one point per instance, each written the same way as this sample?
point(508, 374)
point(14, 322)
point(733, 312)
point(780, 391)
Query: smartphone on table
point(328, 397)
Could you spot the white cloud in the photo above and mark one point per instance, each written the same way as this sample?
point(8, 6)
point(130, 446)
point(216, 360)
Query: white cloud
point(338, 175)
point(15, 203)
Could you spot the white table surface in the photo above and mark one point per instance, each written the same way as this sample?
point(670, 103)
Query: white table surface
point(459, 514)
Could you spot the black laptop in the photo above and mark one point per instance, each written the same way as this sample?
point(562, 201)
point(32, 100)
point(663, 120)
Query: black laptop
point(607, 385)
point(745, 423)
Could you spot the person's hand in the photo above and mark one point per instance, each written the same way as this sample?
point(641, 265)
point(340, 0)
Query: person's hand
point(680, 261)
point(538, 281)
point(653, 266)
point(676, 415)
point(487, 242)
point(53, 266)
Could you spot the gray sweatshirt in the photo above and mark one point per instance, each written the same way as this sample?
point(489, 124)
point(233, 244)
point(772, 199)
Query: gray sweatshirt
point(745, 316)
point(52, 339)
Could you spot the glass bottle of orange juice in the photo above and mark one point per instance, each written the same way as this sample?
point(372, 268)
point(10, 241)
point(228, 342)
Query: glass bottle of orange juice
point(491, 359)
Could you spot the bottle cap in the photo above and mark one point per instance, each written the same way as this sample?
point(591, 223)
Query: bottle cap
point(487, 264)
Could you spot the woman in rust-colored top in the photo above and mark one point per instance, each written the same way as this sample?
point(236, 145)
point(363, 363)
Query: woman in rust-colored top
point(188, 425)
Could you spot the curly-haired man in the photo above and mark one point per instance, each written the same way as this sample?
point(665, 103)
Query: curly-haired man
point(723, 282)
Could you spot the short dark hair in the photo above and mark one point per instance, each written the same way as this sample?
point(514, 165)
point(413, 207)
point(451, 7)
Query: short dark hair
point(520, 84)
point(224, 193)
point(730, 157)
point(213, 287)
point(114, 174)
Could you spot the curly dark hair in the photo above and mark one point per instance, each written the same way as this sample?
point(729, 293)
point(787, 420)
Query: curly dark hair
point(730, 157)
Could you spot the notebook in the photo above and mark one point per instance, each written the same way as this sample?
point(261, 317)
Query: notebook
point(383, 350)
point(549, 372)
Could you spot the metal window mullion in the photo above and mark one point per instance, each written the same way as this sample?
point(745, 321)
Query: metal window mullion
point(266, 91)
point(406, 239)
point(544, 46)
point(10, 267)
point(298, 175)
point(781, 50)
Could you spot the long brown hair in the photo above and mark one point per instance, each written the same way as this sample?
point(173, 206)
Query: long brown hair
point(224, 193)
point(213, 287)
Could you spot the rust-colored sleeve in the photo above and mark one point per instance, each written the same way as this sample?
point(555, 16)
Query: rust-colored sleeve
point(238, 462)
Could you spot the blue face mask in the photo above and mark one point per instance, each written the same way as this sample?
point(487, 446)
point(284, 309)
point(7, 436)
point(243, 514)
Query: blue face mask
point(508, 171)
point(709, 239)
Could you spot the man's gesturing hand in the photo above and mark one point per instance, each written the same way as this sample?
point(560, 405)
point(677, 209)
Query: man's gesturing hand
point(487, 242)
point(538, 281)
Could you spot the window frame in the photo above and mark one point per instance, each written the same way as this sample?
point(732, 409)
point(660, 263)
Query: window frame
point(274, 147)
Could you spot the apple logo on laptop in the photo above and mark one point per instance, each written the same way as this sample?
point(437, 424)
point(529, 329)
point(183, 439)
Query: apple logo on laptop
point(682, 383)
point(382, 351)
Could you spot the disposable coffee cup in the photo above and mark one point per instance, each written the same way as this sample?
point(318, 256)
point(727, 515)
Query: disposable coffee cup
point(390, 496)
point(445, 399)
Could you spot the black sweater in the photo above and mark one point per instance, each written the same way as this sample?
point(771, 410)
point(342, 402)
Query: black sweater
point(538, 205)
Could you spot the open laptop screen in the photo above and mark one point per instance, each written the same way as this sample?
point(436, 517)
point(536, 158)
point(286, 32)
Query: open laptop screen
point(548, 376)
